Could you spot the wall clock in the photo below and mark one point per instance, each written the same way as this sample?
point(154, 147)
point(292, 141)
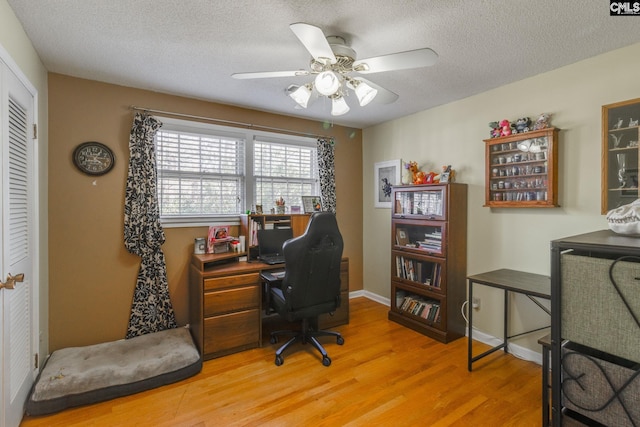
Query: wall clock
point(93, 158)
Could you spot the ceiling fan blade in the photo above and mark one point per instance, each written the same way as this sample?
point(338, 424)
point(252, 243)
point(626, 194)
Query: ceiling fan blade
point(314, 41)
point(269, 74)
point(397, 61)
point(384, 96)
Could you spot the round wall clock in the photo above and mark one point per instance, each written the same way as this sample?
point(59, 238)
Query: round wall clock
point(93, 158)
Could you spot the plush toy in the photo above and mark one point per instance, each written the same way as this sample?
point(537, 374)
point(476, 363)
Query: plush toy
point(431, 178)
point(418, 177)
point(506, 128)
point(407, 175)
point(542, 122)
point(495, 129)
point(523, 125)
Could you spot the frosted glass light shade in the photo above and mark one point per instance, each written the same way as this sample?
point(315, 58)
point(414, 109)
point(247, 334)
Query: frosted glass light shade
point(327, 83)
point(365, 93)
point(301, 96)
point(339, 106)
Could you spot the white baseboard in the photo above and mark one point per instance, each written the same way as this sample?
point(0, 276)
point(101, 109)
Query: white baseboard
point(374, 297)
point(515, 349)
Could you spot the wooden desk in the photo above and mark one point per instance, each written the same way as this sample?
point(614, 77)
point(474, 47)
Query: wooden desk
point(529, 284)
point(225, 304)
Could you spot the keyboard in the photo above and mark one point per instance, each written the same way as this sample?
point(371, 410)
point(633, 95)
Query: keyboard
point(272, 259)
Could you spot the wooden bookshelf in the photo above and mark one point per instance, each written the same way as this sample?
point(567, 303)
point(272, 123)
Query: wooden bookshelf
point(429, 258)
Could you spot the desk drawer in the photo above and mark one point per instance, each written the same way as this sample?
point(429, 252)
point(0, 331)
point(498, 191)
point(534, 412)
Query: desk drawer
point(229, 281)
point(233, 330)
point(228, 300)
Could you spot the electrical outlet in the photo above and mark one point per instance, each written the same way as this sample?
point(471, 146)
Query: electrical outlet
point(476, 303)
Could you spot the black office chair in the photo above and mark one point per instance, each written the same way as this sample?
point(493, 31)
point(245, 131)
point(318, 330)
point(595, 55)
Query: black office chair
point(311, 284)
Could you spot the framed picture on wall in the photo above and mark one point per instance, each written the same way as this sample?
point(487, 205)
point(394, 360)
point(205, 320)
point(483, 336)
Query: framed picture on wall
point(386, 174)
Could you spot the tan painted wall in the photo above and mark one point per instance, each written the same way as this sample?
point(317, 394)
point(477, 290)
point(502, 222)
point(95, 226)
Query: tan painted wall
point(507, 238)
point(92, 276)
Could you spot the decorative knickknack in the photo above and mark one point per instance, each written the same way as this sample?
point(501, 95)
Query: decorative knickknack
point(625, 219)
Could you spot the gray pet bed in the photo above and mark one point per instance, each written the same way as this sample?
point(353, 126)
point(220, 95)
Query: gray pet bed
point(82, 375)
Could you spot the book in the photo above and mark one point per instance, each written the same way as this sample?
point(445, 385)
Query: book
point(402, 238)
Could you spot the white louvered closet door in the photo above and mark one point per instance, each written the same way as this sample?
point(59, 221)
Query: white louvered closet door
point(19, 339)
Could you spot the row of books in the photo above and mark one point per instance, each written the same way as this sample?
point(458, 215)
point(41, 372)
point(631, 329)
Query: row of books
point(426, 309)
point(427, 203)
point(428, 273)
point(254, 226)
point(432, 241)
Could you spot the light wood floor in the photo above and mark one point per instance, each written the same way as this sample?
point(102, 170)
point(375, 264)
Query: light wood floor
point(384, 374)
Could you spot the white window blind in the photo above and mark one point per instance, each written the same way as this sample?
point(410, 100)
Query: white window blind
point(208, 172)
point(199, 175)
point(286, 170)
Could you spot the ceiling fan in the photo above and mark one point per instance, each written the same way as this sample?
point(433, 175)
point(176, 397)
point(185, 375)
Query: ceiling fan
point(334, 65)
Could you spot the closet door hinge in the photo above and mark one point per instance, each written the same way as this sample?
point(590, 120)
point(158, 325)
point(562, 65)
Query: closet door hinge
point(35, 131)
point(36, 361)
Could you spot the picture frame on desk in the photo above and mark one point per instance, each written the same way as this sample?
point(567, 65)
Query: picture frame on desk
point(386, 175)
point(311, 204)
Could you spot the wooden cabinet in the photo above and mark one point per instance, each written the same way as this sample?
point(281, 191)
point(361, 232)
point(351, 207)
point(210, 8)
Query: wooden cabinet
point(620, 134)
point(522, 170)
point(225, 303)
point(250, 224)
point(429, 258)
point(595, 329)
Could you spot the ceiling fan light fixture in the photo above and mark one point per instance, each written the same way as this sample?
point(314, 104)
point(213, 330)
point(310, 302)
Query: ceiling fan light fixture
point(302, 95)
point(365, 93)
point(338, 106)
point(327, 83)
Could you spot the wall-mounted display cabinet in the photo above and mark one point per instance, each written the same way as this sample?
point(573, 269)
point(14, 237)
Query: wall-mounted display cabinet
point(522, 170)
point(429, 258)
point(620, 133)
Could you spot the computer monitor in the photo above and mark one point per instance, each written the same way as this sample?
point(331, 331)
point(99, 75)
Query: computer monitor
point(270, 241)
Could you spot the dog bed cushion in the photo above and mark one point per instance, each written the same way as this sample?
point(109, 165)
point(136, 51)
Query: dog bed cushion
point(81, 375)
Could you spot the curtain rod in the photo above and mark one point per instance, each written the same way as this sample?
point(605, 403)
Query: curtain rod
point(230, 122)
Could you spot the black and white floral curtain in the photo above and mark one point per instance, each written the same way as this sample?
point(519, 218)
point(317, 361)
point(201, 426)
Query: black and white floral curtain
point(151, 310)
point(327, 172)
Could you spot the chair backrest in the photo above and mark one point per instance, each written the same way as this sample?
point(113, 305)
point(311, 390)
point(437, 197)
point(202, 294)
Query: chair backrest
point(312, 260)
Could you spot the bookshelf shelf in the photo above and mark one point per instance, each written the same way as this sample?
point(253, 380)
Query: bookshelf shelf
point(429, 258)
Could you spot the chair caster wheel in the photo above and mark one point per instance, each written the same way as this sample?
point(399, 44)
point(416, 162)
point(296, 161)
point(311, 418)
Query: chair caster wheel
point(326, 361)
point(340, 340)
point(280, 360)
point(273, 339)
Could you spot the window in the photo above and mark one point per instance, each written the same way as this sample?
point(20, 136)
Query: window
point(284, 170)
point(206, 172)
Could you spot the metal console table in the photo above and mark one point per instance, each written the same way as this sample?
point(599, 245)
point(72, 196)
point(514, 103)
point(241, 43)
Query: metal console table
point(529, 284)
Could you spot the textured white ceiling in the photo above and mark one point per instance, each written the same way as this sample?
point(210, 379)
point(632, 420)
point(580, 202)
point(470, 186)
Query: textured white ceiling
point(191, 47)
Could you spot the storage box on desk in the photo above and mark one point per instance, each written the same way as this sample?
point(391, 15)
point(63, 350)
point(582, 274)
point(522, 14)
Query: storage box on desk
point(220, 248)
